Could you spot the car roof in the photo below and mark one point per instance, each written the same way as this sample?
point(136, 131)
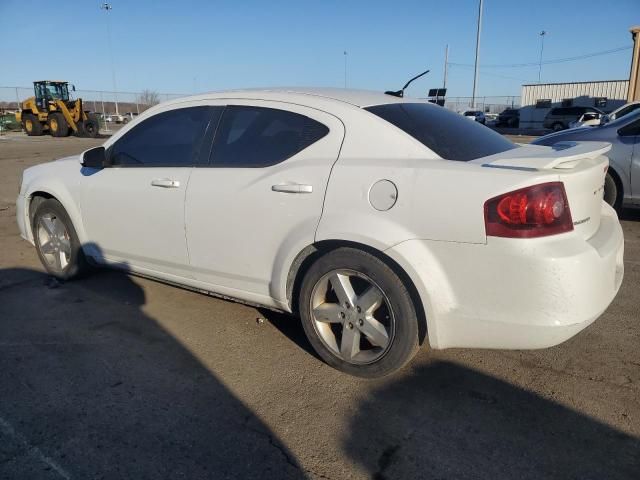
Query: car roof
point(358, 98)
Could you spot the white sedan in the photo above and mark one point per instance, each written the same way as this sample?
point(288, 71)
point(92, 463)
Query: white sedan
point(382, 222)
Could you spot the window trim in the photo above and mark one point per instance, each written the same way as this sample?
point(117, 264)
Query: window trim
point(212, 163)
point(197, 154)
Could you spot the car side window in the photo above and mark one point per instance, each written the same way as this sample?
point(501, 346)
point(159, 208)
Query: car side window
point(169, 138)
point(630, 130)
point(260, 137)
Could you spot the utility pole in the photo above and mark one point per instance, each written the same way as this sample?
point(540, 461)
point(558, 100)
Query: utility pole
point(446, 66)
point(542, 34)
point(345, 69)
point(107, 8)
point(475, 69)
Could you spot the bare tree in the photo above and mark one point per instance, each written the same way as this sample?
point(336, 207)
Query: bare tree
point(149, 97)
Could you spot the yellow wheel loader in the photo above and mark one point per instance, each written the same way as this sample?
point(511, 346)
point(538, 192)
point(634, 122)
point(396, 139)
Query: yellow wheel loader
point(51, 109)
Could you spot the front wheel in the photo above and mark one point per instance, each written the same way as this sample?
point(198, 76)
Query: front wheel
point(91, 126)
point(556, 127)
point(58, 126)
point(358, 314)
point(56, 241)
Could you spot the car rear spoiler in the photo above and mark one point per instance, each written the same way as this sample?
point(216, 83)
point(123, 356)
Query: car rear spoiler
point(563, 155)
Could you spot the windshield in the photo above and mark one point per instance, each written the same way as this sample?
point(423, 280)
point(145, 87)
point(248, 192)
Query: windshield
point(443, 131)
point(57, 91)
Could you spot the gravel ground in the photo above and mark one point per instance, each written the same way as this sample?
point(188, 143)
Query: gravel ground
point(118, 377)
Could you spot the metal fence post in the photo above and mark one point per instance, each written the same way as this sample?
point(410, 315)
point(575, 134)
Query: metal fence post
point(104, 118)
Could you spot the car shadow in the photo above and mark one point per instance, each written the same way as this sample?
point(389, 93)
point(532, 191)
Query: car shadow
point(291, 327)
point(445, 421)
point(93, 387)
point(630, 214)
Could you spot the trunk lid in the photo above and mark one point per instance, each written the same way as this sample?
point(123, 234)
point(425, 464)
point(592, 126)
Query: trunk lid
point(581, 166)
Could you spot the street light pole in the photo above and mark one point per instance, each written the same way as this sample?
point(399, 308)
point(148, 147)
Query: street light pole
point(345, 69)
point(446, 66)
point(542, 34)
point(107, 8)
point(475, 69)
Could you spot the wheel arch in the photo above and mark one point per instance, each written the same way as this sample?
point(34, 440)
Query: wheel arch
point(307, 256)
point(38, 195)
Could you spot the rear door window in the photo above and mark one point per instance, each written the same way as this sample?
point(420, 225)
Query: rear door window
point(259, 137)
point(446, 133)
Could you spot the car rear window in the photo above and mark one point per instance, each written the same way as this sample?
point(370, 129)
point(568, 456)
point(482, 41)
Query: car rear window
point(447, 133)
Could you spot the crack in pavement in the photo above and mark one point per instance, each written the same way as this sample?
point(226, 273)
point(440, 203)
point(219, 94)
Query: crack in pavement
point(31, 449)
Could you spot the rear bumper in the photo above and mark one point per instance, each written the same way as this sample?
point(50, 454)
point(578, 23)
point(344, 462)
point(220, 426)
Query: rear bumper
point(513, 293)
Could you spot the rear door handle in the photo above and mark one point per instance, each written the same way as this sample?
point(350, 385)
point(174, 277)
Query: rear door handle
point(165, 183)
point(292, 188)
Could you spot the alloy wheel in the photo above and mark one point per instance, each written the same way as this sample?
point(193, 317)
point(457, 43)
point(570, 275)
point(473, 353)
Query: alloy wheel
point(54, 241)
point(352, 316)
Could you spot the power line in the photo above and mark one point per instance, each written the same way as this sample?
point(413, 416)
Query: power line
point(548, 62)
point(461, 65)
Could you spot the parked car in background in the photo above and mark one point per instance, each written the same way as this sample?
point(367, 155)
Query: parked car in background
point(622, 181)
point(476, 115)
point(127, 117)
point(491, 118)
point(587, 120)
point(383, 222)
point(621, 112)
point(509, 118)
point(559, 118)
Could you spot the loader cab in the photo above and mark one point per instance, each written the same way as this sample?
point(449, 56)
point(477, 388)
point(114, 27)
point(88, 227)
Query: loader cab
point(47, 91)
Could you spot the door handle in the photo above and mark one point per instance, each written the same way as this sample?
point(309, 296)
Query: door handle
point(292, 188)
point(165, 183)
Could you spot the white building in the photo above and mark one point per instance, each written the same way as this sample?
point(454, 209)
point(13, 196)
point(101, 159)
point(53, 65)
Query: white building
point(537, 99)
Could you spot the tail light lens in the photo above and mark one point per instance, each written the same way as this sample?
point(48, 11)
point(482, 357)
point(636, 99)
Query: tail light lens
point(535, 211)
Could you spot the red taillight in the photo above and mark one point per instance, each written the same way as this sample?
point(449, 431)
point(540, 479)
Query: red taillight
point(534, 211)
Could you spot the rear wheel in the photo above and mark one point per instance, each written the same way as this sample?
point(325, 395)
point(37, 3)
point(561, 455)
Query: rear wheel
point(357, 314)
point(32, 125)
point(58, 126)
point(91, 126)
point(612, 191)
point(56, 241)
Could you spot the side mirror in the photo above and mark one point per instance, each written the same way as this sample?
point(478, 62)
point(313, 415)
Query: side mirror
point(73, 87)
point(604, 119)
point(94, 158)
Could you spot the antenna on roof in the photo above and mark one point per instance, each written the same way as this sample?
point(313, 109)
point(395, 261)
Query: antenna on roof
point(400, 93)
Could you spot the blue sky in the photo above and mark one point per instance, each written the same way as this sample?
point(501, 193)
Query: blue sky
point(198, 45)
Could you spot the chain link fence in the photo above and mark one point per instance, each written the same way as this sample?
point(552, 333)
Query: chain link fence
point(104, 102)
point(492, 105)
point(108, 103)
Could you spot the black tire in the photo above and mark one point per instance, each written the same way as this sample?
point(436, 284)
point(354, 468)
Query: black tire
point(91, 126)
point(51, 211)
point(58, 126)
point(556, 127)
point(401, 313)
point(31, 125)
point(612, 191)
